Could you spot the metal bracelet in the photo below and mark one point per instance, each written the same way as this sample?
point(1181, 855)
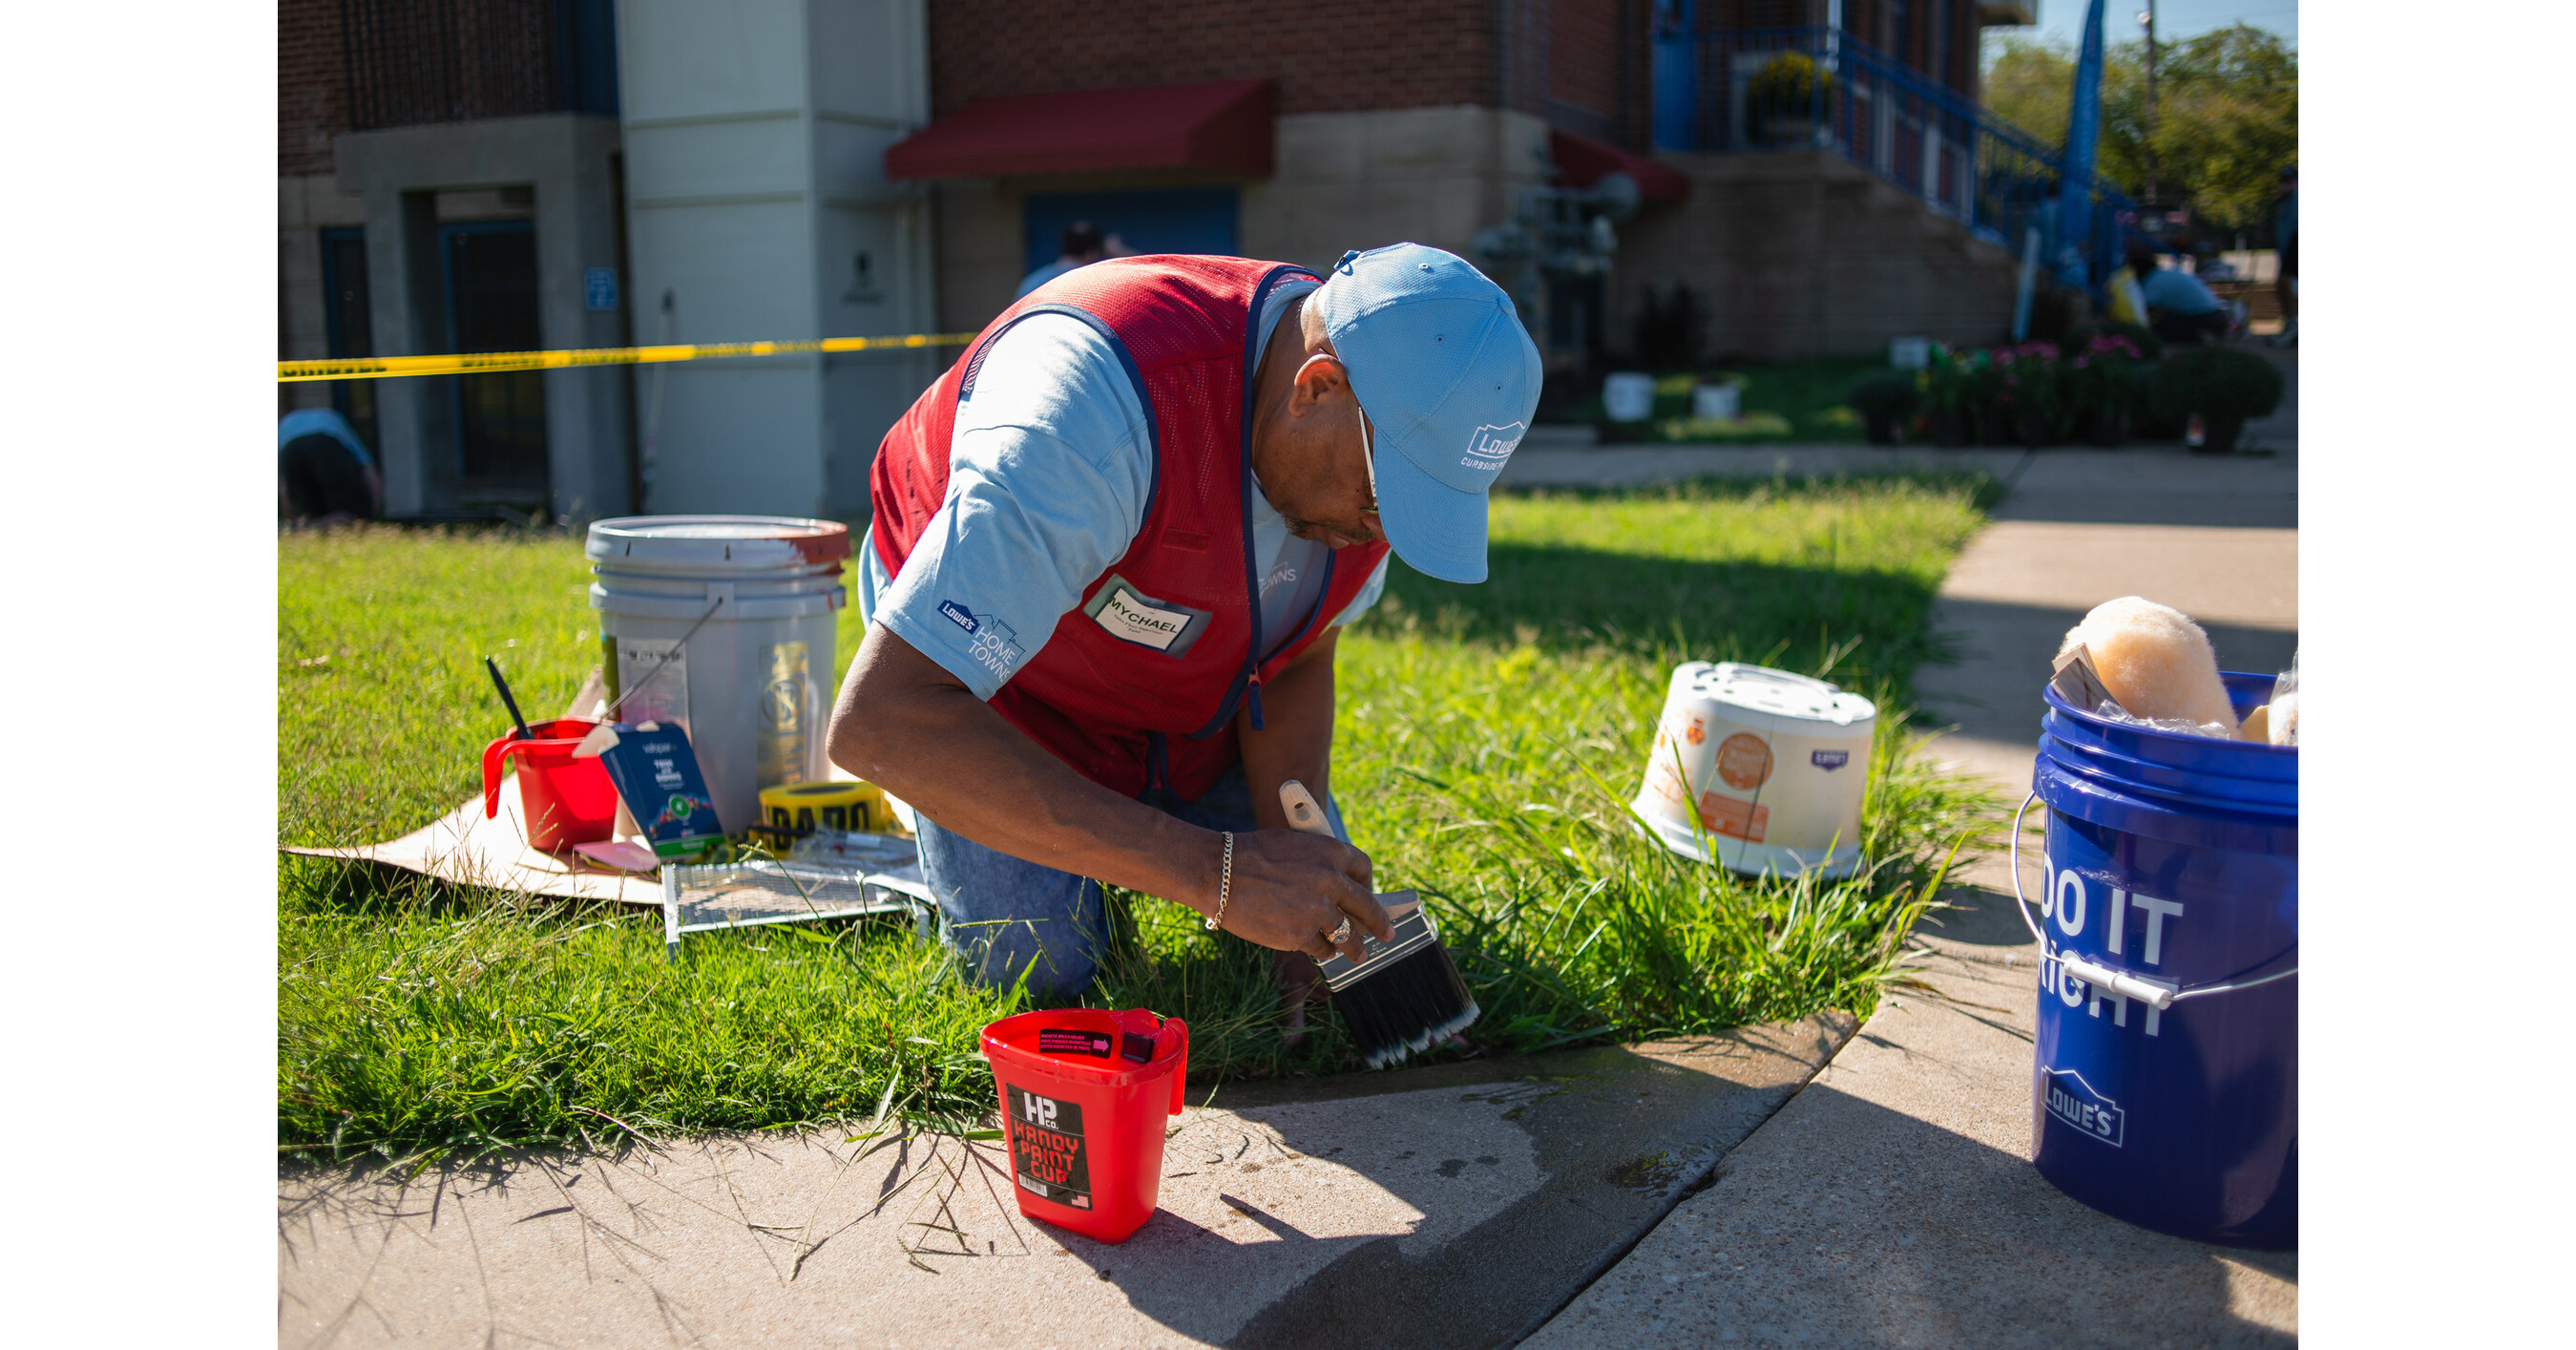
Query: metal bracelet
point(1224, 882)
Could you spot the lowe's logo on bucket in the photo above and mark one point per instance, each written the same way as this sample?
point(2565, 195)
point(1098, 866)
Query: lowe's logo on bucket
point(1829, 760)
point(2074, 1101)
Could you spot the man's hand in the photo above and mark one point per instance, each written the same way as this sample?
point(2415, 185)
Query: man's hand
point(1292, 889)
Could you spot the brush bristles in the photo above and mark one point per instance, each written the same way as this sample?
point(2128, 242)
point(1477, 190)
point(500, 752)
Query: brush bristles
point(1409, 1005)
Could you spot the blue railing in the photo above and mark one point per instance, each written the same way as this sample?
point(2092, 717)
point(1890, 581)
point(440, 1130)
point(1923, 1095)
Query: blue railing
point(1823, 89)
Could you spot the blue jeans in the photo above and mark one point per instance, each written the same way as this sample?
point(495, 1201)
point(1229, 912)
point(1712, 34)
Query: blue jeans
point(1007, 915)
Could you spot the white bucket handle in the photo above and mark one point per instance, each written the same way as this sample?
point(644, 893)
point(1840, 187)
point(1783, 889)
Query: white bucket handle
point(2153, 993)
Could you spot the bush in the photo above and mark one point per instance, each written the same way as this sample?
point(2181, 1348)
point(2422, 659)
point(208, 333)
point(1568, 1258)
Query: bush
point(2029, 378)
point(1886, 394)
point(2102, 373)
point(2150, 347)
point(2215, 382)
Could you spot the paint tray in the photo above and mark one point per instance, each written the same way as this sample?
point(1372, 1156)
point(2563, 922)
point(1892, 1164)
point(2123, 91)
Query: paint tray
point(838, 878)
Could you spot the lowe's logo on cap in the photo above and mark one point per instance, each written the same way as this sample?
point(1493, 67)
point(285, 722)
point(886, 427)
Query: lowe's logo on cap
point(1492, 446)
point(1448, 377)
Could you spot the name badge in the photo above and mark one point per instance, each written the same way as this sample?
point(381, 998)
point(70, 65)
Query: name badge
point(1130, 615)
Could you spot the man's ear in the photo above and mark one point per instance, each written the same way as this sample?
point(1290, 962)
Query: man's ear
point(1320, 380)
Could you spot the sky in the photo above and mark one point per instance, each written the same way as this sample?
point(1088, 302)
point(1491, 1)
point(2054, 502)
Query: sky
point(2062, 21)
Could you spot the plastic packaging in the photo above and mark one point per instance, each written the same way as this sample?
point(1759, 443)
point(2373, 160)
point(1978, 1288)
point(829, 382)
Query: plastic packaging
point(2284, 720)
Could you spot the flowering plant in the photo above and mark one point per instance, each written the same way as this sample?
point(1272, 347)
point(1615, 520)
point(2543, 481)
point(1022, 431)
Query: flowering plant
point(2101, 377)
point(2030, 378)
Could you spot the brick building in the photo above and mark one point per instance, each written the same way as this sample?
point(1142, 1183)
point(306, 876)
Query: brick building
point(490, 174)
point(1416, 119)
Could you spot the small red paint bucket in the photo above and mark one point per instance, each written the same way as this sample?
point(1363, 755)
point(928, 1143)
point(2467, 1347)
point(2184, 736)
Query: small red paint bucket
point(564, 801)
point(1084, 1096)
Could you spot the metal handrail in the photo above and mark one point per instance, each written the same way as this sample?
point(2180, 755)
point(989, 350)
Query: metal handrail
point(1927, 139)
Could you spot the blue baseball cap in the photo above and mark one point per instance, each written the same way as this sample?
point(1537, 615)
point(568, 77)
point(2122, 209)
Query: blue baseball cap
point(1448, 378)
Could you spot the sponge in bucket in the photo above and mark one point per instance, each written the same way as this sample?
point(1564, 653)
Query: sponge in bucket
point(2156, 662)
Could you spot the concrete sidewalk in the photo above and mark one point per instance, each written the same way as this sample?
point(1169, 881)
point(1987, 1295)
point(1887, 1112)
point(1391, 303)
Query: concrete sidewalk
point(1453, 1205)
point(1891, 1203)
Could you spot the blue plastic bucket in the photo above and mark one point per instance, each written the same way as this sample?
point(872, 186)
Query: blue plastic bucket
point(2172, 879)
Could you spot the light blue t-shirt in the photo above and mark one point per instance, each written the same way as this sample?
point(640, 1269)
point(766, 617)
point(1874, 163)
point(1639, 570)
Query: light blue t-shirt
point(2177, 293)
point(1049, 469)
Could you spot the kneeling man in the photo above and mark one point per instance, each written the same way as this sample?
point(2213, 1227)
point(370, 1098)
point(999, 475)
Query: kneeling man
point(1112, 550)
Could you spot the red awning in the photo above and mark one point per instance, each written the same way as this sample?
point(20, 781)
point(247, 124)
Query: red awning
point(1581, 160)
point(1224, 126)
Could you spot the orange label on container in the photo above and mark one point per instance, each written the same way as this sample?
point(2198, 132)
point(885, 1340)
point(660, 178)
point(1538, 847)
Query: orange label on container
point(1735, 819)
point(1698, 731)
point(1744, 761)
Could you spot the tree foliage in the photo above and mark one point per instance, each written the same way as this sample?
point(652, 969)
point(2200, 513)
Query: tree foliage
point(2227, 104)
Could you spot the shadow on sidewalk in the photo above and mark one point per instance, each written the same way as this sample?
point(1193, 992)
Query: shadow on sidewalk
point(1919, 1237)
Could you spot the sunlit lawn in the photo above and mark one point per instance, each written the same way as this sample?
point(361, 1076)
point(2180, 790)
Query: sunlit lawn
point(1489, 739)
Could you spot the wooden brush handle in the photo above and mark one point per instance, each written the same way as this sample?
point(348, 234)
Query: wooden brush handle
point(1304, 816)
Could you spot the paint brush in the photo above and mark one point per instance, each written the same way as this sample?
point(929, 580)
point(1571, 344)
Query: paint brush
point(1407, 995)
point(508, 702)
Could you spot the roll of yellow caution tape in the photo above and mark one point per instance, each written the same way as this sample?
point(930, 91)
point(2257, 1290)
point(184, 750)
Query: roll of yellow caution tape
point(478, 363)
point(796, 809)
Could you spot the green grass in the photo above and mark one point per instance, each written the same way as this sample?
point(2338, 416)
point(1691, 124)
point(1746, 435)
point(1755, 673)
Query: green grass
point(1489, 740)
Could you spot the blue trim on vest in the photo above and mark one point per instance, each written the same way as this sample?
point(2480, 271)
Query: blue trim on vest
point(1126, 360)
point(1251, 566)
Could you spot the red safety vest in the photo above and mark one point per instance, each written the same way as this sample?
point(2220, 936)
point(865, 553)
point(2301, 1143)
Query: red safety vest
point(1139, 683)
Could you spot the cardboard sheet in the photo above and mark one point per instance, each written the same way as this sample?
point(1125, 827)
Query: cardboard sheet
point(464, 848)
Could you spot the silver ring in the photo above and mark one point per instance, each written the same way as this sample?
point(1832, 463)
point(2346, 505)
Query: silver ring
point(1342, 934)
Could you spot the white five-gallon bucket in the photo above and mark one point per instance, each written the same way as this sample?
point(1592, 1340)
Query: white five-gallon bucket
point(1772, 765)
point(754, 598)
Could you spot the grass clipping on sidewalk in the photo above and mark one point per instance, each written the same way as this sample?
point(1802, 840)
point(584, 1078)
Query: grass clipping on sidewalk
point(1488, 742)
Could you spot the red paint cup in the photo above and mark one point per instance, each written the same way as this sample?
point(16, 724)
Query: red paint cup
point(1084, 1096)
point(565, 801)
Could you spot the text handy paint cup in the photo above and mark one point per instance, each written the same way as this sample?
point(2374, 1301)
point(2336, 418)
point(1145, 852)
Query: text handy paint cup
point(1084, 1096)
point(563, 801)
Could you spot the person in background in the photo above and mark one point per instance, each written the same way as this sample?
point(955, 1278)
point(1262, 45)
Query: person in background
point(2285, 237)
point(1081, 245)
point(324, 474)
point(2179, 308)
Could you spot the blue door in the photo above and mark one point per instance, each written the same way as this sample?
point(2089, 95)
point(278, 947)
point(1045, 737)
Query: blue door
point(1146, 220)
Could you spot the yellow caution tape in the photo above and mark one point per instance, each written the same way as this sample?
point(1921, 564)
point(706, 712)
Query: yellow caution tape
point(477, 363)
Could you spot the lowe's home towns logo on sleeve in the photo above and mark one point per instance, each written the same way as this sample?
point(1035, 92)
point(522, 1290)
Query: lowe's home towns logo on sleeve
point(1492, 446)
point(997, 645)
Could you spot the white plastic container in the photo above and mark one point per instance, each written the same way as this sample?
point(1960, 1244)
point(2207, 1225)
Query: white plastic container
point(1628, 396)
point(753, 684)
point(1772, 764)
point(1721, 402)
